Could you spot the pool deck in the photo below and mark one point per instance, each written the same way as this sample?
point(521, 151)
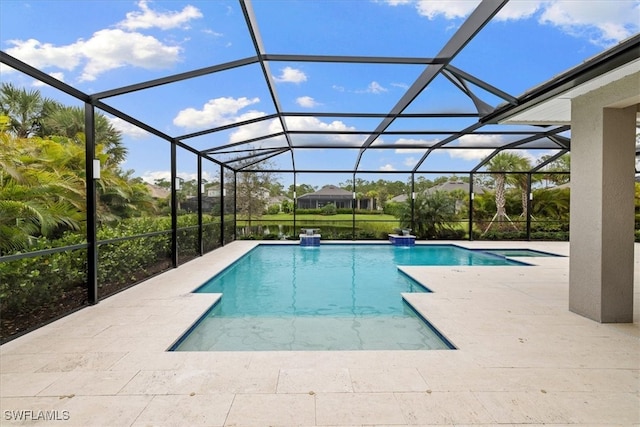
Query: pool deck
point(522, 358)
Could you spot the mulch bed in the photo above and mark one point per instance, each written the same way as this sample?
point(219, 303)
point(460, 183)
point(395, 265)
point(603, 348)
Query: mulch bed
point(15, 324)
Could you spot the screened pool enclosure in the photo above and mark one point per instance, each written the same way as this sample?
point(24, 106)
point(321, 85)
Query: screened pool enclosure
point(239, 145)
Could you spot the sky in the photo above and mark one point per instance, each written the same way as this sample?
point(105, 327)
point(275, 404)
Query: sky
point(97, 46)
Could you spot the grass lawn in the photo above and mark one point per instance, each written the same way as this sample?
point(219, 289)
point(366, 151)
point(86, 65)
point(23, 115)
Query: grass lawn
point(325, 218)
point(333, 226)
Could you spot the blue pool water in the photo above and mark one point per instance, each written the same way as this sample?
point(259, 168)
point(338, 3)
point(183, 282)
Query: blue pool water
point(332, 297)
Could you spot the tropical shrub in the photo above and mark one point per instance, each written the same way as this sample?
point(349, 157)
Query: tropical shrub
point(329, 209)
point(431, 214)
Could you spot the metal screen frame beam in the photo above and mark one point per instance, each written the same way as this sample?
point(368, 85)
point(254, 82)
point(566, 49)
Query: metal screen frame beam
point(469, 29)
point(252, 25)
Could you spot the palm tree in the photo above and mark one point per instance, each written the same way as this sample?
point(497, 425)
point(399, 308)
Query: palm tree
point(500, 164)
point(23, 108)
point(552, 172)
point(372, 195)
point(552, 203)
point(69, 122)
point(38, 196)
point(431, 214)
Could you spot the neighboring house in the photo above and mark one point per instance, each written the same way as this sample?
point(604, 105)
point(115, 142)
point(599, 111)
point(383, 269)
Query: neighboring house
point(398, 199)
point(277, 201)
point(329, 194)
point(446, 186)
point(456, 185)
point(158, 192)
point(191, 203)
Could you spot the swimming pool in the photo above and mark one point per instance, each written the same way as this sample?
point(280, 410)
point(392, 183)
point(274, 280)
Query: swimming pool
point(520, 253)
point(332, 297)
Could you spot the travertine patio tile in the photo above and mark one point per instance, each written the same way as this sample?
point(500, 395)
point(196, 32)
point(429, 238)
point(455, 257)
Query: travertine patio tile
point(181, 411)
point(358, 409)
point(139, 343)
point(88, 383)
point(248, 380)
point(85, 330)
point(522, 358)
point(219, 361)
point(81, 362)
point(443, 408)
point(532, 379)
point(387, 380)
point(164, 382)
point(601, 408)
point(272, 410)
point(105, 313)
point(608, 380)
point(462, 378)
point(23, 410)
point(299, 360)
point(24, 363)
point(28, 384)
point(107, 411)
point(314, 380)
point(523, 407)
point(52, 344)
point(151, 361)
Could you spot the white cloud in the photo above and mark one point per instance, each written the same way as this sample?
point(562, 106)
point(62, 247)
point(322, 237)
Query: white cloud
point(410, 162)
point(147, 18)
point(212, 33)
point(290, 75)
point(486, 140)
point(400, 85)
point(520, 9)
point(151, 176)
point(466, 154)
point(306, 102)
point(474, 141)
point(127, 128)
point(515, 9)
point(375, 87)
point(104, 51)
point(412, 141)
point(258, 129)
point(387, 167)
point(109, 49)
point(603, 22)
point(338, 88)
point(57, 76)
point(42, 55)
point(268, 127)
point(217, 112)
point(312, 123)
point(450, 9)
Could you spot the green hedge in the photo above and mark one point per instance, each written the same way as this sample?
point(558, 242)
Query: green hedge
point(47, 281)
point(28, 283)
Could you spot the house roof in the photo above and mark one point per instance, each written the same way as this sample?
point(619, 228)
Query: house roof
point(455, 185)
point(445, 186)
point(328, 191)
point(158, 192)
point(401, 198)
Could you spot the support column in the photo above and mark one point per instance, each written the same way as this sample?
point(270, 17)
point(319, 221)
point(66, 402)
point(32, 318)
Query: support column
point(602, 202)
point(91, 197)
